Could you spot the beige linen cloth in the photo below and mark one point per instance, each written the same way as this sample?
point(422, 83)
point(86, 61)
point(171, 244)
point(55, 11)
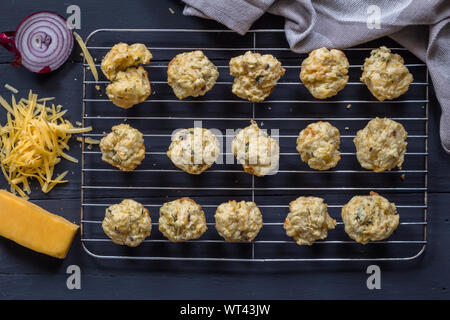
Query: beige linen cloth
point(422, 26)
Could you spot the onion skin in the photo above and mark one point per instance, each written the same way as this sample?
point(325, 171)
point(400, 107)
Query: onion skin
point(45, 69)
point(44, 41)
point(7, 41)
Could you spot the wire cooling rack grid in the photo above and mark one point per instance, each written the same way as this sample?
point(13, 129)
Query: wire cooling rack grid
point(289, 108)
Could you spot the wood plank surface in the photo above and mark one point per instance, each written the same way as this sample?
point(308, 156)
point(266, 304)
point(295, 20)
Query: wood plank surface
point(28, 275)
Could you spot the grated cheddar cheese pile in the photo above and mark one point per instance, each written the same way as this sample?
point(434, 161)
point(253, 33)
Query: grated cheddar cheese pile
point(32, 142)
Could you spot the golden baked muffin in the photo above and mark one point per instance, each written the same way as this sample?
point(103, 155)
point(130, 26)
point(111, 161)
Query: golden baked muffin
point(308, 220)
point(385, 74)
point(123, 56)
point(130, 87)
point(325, 72)
point(258, 153)
point(123, 147)
point(127, 223)
point(194, 150)
point(369, 218)
point(381, 145)
point(255, 75)
point(181, 220)
point(238, 221)
point(191, 74)
point(318, 145)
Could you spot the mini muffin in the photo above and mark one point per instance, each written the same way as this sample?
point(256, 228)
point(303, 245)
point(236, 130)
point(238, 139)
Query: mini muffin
point(127, 223)
point(122, 56)
point(385, 74)
point(123, 148)
point(258, 153)
point(381, 145)
point(130, 87)
point(318, 145)
point(191, 74)
point(308, 220)
point(181, 220)
point(325, 72)
point(369, 218)
point(255, 75)
point(238, 221)
point(194, 150)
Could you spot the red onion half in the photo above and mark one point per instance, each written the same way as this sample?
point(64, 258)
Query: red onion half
point(44, 41)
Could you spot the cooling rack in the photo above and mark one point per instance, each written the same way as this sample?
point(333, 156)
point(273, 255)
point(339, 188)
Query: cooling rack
point(288, 109)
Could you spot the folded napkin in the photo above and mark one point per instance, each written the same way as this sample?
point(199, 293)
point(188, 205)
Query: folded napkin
point(422, 26)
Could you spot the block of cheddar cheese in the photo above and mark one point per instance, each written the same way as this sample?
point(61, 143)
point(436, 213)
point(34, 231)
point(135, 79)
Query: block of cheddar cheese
point(33, 227)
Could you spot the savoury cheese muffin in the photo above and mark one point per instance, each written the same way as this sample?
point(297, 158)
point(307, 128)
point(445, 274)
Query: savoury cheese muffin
point(127, 223)
point(123, 148)
point(258, 153)
point(255, 75)
point(308, 220)
point(181, 220)
point(369, 218)
point(130, 87)
point(123, 56)
point(191, 74)
point(238, 221)
point(381, 145)
point(385, 74)
point(194, 150)
point(325, 72)
point(318, 145)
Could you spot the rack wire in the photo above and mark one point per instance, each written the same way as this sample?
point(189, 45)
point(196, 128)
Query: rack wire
point(289, 108)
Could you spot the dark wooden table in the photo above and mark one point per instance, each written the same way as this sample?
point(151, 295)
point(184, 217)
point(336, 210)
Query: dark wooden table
point(24, 274)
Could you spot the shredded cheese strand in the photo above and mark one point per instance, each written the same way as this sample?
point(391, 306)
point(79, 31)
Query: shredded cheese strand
point(11, 88)
point(88, 140)
point(87, 55)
